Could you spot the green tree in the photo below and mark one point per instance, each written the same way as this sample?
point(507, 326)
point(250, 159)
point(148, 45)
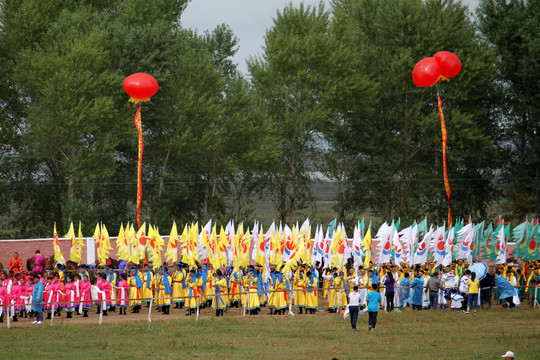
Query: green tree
point(394, 165)
point(513, 27)
point(292, 80)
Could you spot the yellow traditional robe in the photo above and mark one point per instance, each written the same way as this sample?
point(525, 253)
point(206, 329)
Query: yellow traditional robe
point(251, 286)
point(221, 299)
point(147, 286)
point(134, 292)
point(178, 287)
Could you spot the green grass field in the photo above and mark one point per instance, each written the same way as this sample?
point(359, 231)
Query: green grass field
point(407, 335)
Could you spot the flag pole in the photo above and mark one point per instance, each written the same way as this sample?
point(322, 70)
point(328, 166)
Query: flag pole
point(150, 310)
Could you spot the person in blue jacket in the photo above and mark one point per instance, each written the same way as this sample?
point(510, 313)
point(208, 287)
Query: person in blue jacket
point(37, 299)
point(405, 285)
point(417, 288)
point(506, 289)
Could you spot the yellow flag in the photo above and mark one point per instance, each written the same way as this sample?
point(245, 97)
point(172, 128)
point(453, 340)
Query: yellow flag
point(184, 239)
point(81, 241)
point(74, 253)
point(122, 246)
point(192, 251)
point(171, 255)
point(103, 255)
point(367, 247)
point(158, 246)
point(141, 243)
point(244, 249)
point(58, 256)
point(223, 242)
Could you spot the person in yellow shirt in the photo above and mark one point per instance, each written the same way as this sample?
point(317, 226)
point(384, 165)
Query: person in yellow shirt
point(134, 286)
point(234, 283)
point(209, 286)
point(474, 286)
point(349, 279)
point(179, 285)
point(164, 291)
point(147, 291)
point(251, 286)
point(220, 290)
point(337, 296)
point(281, 296)
point(300, 282)
point(112, 278)
point(312, 300)
point(328, 278)
point(194, 285)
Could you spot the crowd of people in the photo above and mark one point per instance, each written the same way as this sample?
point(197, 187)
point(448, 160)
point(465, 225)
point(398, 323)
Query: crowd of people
point(305, 288)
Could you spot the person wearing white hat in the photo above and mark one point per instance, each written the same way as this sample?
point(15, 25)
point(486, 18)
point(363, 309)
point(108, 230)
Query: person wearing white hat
point(508, 355)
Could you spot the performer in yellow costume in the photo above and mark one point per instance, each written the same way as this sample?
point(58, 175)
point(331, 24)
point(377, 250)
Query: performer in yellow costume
point(112, 278)
point(194, 283)
point(220, 290)
point(312, 299)
point(337, 295)
point(234, 282)
point(148, 285)
point(300, 282)
point(251, 285)
point(179, 285)
point(164, 290)
point(328, 278)
point(281, 297)
point(134, 285)
point(272, 295)
point(209, 286)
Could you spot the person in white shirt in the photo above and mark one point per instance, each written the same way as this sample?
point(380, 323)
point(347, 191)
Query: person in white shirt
point(457, 300)
point(464, 287)
point(354, 306)
point(450, 282)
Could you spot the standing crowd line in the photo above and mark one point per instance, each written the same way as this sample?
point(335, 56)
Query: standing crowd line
point(305, 288)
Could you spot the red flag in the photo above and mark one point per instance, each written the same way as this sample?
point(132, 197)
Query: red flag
point(444, 141)
point(138, 125)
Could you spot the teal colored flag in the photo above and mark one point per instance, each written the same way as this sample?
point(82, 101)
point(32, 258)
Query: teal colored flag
point(331, 228)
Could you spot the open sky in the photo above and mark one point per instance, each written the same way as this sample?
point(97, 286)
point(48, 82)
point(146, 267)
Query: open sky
point(248, 19)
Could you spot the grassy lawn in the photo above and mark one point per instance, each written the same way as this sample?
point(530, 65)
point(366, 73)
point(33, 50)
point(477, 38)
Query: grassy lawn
point(407, 335)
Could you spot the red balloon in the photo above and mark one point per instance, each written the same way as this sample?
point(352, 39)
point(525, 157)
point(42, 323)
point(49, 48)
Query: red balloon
point(141, 86)
point(426, 72)
point(449, 62)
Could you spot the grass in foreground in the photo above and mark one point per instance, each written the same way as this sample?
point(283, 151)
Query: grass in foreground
point(407, 335)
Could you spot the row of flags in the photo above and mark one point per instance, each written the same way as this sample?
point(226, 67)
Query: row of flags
point(284, 246)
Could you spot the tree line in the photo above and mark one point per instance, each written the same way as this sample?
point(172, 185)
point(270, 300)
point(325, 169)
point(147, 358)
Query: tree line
point(331, 95)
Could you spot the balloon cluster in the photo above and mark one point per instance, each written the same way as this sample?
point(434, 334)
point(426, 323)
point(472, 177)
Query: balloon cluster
point(428, 71)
